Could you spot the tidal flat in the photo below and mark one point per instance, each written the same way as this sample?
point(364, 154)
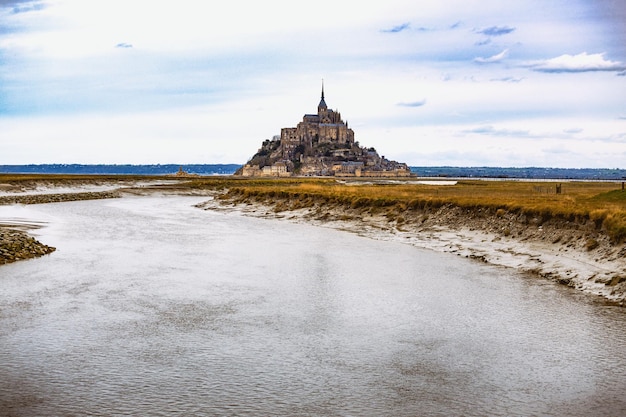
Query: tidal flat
point(152, 306)
point(571, 232)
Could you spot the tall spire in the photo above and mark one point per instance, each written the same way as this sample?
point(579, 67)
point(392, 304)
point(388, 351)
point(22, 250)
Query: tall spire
point(322, 107)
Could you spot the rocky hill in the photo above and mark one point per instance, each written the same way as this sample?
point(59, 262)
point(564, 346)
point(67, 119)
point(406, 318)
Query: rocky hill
point(322, 144)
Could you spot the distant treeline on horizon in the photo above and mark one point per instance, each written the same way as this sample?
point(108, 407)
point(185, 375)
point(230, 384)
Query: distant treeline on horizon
point(523, 173)
point(124, 169)
point(229, 169)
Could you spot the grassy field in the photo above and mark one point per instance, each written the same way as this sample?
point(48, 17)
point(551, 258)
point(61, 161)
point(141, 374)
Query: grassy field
point(602, 202)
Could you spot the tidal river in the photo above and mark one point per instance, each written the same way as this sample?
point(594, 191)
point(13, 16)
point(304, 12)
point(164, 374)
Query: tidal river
point(152, 307)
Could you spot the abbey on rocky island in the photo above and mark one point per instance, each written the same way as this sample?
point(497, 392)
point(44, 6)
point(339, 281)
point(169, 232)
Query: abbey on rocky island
point(321, 144)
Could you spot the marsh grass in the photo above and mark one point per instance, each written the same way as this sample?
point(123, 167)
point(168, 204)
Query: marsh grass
point(603, 203)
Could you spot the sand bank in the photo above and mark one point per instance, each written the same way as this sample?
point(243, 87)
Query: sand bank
point(572, 254)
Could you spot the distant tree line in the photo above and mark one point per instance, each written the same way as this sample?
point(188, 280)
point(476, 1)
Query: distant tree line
point(228, 169)
point(522, 173)
point(128, 169)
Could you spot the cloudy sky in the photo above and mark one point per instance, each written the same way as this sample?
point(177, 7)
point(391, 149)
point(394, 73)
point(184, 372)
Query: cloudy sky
point(435, 82)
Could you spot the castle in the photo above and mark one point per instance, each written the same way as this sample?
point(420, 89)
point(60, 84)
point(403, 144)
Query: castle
point(324, 127)
point(321, 144)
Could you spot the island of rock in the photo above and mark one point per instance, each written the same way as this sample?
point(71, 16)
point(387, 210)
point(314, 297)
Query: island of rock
point(321, 144)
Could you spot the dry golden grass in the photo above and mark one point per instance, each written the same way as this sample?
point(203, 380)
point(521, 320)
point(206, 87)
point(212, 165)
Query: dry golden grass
point(602, 202)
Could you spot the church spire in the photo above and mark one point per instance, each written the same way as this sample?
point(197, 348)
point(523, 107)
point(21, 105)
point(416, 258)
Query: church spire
point(322, 107)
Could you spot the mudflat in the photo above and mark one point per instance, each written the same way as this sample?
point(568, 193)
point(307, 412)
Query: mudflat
point(573, 232)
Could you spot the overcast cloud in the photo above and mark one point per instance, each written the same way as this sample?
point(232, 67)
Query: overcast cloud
point(451, 82)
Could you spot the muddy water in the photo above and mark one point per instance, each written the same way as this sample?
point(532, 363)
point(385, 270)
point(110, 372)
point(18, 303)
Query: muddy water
point(152, 307)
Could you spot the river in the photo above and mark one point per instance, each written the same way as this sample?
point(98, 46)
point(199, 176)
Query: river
point(150, 306)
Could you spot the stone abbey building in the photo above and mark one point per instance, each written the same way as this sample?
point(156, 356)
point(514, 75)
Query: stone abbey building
point(324, 127)
point(321, 144)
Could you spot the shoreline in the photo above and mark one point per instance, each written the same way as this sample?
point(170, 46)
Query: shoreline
point(16, 244)
point(574, 254)
point(552, 250)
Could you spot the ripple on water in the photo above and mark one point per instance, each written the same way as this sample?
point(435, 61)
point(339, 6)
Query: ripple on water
point(152, 307)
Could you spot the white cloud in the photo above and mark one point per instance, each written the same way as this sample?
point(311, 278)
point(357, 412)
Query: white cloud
point(492, 131)
point(582, 62)
point(156, 82)
point(492, 59)
point(509, 79)
point(418, 103)
point(495, 30)
point(398, 28)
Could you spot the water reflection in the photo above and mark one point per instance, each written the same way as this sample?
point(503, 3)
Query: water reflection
point(152, 307)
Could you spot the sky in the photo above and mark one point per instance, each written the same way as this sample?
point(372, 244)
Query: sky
point(513, 83)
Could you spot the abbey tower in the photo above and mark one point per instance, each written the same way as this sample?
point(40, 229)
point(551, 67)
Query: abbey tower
point(324, 127)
